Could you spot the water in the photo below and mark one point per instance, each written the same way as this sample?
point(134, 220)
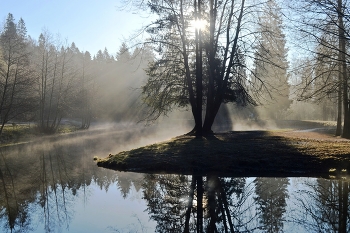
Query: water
point(54, 186)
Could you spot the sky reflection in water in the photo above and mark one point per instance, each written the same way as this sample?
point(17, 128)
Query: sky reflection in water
point(56, 187)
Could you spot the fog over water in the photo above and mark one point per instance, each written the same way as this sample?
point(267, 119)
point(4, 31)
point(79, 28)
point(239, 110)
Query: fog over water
point(53, 185)
point(50, 183)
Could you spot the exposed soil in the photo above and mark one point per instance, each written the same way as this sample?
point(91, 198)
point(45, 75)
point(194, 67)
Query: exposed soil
point(290, 152)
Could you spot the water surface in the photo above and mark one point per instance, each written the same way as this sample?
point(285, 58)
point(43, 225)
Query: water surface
point(53, 185)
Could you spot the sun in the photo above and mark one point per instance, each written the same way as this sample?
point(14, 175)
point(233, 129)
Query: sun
point(198, 24)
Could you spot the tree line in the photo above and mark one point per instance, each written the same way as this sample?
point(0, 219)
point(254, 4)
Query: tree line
point(240, 56)
point(203, 55)
point(323, 34)
point(47, 80)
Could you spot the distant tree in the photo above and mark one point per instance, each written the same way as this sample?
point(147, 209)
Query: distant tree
point(120, 81)
point(99, 56)
point(271, 63)
point(87, 91)
point(74, 49)
point(55, 73)
point(107, 56)
point(123, 54)
point(326, 80)
point(16, 76)
point(302, 107)
point(315, 19)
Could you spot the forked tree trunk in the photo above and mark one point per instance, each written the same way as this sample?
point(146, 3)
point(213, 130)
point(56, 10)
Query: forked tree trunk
point(210, 117)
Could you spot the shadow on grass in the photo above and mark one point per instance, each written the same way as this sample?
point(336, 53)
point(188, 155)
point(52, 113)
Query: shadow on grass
point(245, 153)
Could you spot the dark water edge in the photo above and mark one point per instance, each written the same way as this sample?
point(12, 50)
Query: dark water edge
point(55, 186)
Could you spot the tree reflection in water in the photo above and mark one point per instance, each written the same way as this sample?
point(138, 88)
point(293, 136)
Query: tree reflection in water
point(11, 207)
point(271, 195)
point(212, 204)
point(40, 185)
point(200, 204)
point(324, 207)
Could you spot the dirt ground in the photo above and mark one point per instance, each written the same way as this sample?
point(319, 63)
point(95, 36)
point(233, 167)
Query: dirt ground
point(302, 151)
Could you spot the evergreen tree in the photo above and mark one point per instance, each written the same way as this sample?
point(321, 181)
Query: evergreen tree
point(271, 63)
point(99, 56)
point(123, 54)
point(16, 80)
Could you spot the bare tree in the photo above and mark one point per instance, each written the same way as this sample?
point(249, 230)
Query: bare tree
point(325, 23)
point(55, 76)
point(199, 66)
point(16, 79)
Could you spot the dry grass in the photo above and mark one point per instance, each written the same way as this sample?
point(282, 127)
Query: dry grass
point(24, 133)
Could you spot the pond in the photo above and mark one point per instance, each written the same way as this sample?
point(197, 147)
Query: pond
point(53, 185)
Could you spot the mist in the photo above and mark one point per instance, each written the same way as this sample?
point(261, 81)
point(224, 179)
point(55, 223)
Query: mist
point(103, 93)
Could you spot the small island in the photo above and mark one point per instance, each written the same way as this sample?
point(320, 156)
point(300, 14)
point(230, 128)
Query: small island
point(285, 152)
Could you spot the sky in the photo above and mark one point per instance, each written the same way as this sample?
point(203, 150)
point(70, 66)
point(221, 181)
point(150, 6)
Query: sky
point(90, 24)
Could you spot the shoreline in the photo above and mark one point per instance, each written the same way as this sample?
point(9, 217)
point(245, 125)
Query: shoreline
point(287, 153)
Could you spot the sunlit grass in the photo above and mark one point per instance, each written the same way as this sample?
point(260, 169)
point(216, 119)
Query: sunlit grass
point(14, 134)
point(67, 129)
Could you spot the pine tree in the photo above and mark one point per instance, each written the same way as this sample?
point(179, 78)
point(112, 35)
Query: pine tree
point(271, 63)
point(123, 55)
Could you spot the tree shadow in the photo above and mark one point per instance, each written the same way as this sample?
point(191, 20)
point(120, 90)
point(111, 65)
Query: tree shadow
point(240, 153)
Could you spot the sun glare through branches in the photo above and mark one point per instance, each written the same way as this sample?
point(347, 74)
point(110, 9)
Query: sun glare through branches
point(198, 25)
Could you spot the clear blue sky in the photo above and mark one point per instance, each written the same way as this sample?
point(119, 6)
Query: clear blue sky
point(91, 24)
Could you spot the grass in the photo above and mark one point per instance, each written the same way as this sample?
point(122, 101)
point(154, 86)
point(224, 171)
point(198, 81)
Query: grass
point(22, 133)
point(243, 153)
point(15, 134)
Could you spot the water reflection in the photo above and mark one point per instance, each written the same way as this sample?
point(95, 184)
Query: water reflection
point(56, 187)
point(200, 204)
point(324, 206)
point(40, 183)
point(213, 204)
point(271, 195)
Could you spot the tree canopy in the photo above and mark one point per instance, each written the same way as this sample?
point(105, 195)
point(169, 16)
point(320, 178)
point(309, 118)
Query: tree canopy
point(202, 49)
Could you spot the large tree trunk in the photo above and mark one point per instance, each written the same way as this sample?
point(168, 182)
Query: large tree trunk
point(339, 117)
point(199, 71)
point(210, 115)
point(343, 70)
point(340, 97)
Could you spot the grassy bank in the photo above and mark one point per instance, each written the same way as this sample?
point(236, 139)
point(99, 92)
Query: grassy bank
point(244, 153)
point(23, 133)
